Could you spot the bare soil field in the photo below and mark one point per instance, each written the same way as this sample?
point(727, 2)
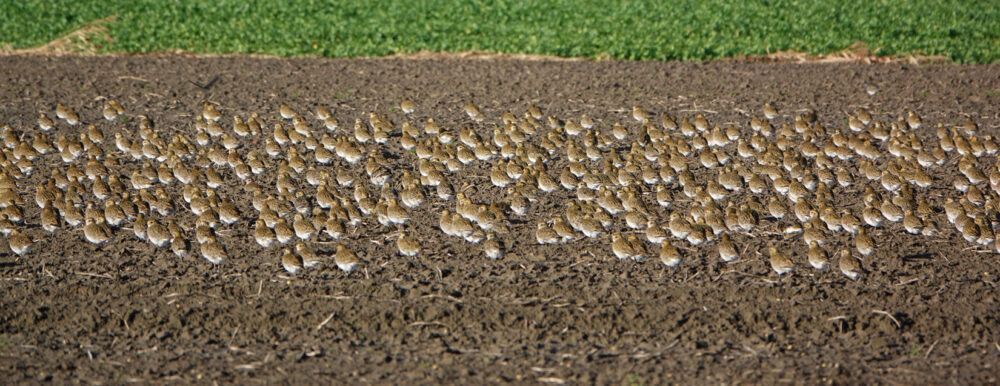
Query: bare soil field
point(924, 308)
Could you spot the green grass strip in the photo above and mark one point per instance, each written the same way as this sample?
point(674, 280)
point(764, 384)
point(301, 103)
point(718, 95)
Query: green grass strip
point(965, 31)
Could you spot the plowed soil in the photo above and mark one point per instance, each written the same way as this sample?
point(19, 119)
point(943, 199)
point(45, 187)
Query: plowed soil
point(926, 310)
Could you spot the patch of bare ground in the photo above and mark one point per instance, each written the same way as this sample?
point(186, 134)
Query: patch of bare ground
point(922, 311)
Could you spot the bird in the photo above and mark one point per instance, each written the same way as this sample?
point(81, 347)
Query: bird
point(619, 131)
point(638, 251)
point(473, 111)
point(911, 223)
point(110, 112)
point(412, 196)
point(891, 211)
point(72, 214)
point(864, 243)
point(462, 227)
point(303, 229)
point(445, 223)
point(283, 232)
point(519, 204)
point(95, 232)
point(139, 226)
point(679, 226)
point(913, 120)
point(210, 113)
point(361, 131)
point(621, 247)
point(407, 246)
point(591, 227)
point(45, 123)
point(67, 114)
point(213, 251)
point(157, 233)
point(263, 235)
point(700, 122)
point(227, 212)
point(407, 106)
point(396, 213)
point(323, 112)
point(309, 257)
point(849, 222)
point(49, 219)
point(345, 259)
point(291, 262)
point(492, 247)
point(334, 227)
point(817, 256)
point(850, 266)
point(636, 220)
point(639, 114)
point(202, 230)
point(779, 262)
point(872, 216)
point(769, 111)
point(94, 134)
point(564, 230)
point(654, 232)
point(534, 112)
point(670, 256)
point(727, 250)
point(544, 234)
point(287, 112)
point(19, 243)
point(812, 233)
point(113, 213)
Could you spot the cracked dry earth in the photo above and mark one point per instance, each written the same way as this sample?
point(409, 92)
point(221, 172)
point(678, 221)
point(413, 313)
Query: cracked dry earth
point(642, 249)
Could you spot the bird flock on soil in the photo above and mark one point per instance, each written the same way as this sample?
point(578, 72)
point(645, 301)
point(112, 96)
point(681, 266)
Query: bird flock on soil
point(647, 184)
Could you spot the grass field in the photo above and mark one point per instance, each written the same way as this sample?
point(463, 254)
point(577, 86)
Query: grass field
point(965, 31)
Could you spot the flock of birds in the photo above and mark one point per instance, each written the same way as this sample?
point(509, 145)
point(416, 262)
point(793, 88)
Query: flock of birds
point(663, 185)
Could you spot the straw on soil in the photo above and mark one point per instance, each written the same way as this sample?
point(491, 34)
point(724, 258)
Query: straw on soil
point(85, 40)
point(855, 53)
